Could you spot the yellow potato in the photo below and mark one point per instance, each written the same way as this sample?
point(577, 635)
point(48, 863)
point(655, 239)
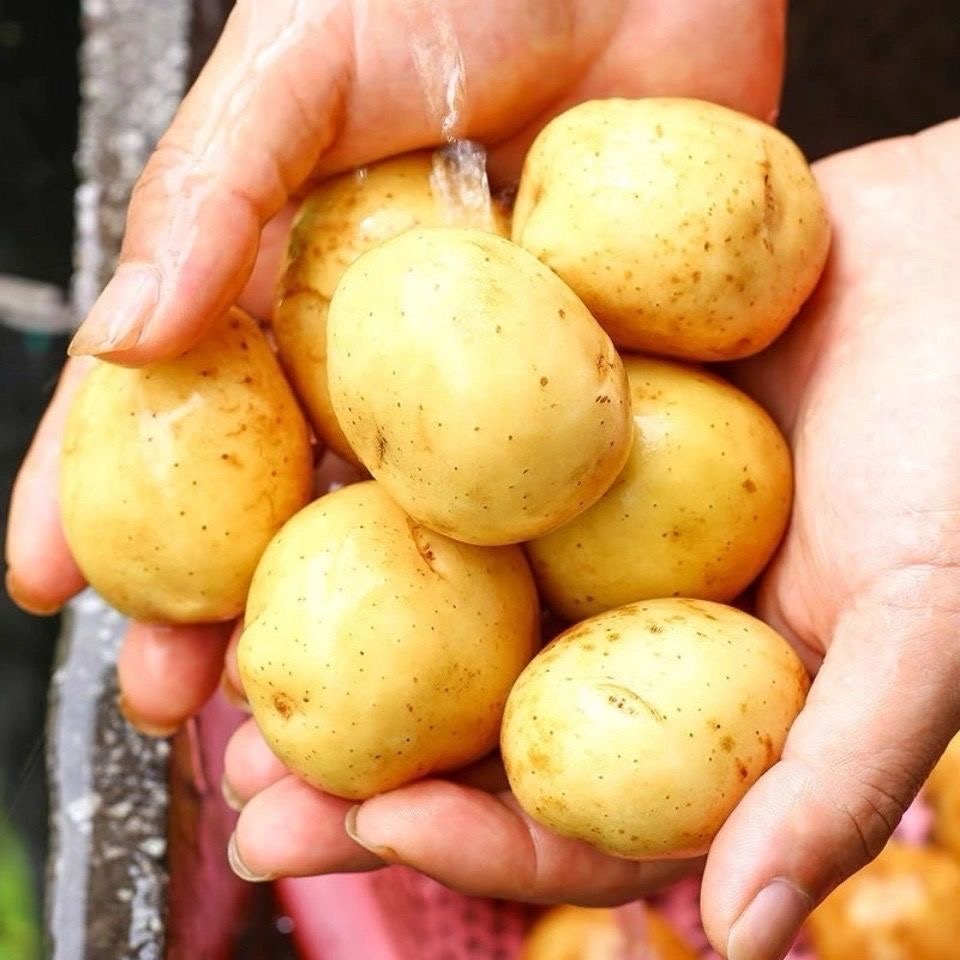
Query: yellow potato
point(584, 933)
point(174, 477)
point(903, 906)
point(341, 219)
point(639, 730)
point(697, 512)
point(475, 386)
point(689, 229)
point(376, 651)
point(943, 792)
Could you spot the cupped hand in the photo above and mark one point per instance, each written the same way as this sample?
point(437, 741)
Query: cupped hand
point(866, 385)
point(300, 89)
point(867, 586)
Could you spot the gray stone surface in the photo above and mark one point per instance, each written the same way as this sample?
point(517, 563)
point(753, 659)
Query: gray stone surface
point(107, 871)
point(109, 804)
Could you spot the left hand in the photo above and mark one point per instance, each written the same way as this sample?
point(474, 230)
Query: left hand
point(297, 91)
point(866, 385)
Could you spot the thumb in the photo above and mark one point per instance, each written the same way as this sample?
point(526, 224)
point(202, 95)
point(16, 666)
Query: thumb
point(294, 87)
point(240, 142)
point(881, 710)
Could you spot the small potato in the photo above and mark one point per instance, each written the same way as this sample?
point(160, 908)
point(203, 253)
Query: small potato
point(175, 476)
point(943, 792)
point(902, 906)
point(697, 512)
point(688, 229)
point(475, 386)
point(341, 219)
point(376, 651)
point(584, 933)
point(640, 730)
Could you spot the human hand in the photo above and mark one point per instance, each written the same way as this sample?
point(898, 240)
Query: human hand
point(299, 90)
point(866, 384)
point(866, 586)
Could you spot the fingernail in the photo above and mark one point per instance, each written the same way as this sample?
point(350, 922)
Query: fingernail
point(230, 798)
point(239, 867)
point(353, 832)
point(16, 594)
point(769, 925)
point(145, 727)
point(120, 314)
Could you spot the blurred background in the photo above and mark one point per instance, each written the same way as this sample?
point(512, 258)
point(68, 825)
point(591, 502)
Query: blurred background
point(857, 71)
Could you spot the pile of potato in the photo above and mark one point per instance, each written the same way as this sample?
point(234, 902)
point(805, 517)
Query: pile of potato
point(536, 435)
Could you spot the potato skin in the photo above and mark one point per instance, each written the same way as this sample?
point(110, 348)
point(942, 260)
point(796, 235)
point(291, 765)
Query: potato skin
point(376, 651)
point(943, 792)
point(339, 220)
point(697, 512)
point(640, 730)
point(175, 476)
point(902, 906)
point(589, 933)
point(688, 229)
point(475, 386)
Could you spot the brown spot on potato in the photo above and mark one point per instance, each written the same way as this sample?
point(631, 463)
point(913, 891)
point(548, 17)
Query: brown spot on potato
point(749, 486)
point(380, 446)
point(283, 705)
point(539, 760)
point(726, 743)
point(421, 541)
point(543, 381)
point(742, 771)
point(628, 701)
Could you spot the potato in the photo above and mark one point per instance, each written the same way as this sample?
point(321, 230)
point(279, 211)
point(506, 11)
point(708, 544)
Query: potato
point(584, 933)
point(174, 477)
point(688, 229)
point(475, 386)
point(341, 219)
point(903, 906)
point(640, 730)
point(376, 651)
point(697, 512)
point(943, 792)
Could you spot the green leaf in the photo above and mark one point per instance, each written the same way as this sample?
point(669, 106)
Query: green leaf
point(19, 927)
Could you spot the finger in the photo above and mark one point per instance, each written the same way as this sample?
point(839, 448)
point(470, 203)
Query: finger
point(41, 573)
point(881, 710)
point(249, 766)
point(292, 830)
point(167, 674)
point(483, 845)
point(287, 83)
point(231, 682)
point(725, 52)
point(258, 295)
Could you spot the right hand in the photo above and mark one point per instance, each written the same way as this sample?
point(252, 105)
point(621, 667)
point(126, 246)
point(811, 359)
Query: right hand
point(300, 89)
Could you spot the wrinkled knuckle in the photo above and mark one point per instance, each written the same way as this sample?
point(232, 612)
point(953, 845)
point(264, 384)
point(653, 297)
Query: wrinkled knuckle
point(165, 173)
